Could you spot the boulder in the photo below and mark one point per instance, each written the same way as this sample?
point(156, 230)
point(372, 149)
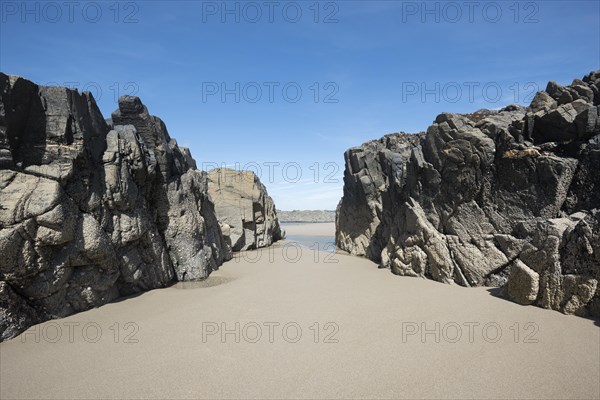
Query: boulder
point(243, 205)
point(523, 284)
point(542, 102)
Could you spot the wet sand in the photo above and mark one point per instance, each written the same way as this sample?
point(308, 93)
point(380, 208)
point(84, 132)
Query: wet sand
point(310, 229)
point(360, 338)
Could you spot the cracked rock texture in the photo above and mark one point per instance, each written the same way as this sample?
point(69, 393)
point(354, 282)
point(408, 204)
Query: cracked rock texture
point(90, 212)
point(506, 198)
point(246, 212)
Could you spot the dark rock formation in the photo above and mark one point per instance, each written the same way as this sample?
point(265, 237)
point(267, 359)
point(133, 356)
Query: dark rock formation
point(500, 198)
point(244, 209)
point(91, 212)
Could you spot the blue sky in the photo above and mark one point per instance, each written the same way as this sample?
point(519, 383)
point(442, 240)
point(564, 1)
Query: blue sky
point(364, 69)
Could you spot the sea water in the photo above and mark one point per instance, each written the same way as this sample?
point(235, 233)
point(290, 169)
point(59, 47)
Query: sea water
point(313, 242)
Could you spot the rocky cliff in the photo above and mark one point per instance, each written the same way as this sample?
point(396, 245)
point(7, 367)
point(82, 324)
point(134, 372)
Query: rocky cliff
point(246, 212)
point(506, 198)
point(90, 212)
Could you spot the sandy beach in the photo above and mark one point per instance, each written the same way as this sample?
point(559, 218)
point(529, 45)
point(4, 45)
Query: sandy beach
point(310, 229)
point(275, 323)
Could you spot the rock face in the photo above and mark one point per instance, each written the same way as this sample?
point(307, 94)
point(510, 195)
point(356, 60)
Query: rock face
point(500, 198)
point(91, 212)
point(244, 209)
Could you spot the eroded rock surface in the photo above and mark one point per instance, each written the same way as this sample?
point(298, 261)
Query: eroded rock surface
point(505, 198)
point(91, 212)
point(246, 212)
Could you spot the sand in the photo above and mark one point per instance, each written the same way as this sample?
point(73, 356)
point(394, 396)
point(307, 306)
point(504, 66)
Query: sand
point(364, 348)
point(310, 229)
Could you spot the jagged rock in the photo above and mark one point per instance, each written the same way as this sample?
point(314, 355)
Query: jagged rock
point(559, 125)
point(506, 197)
point(542, 102)
point(243, 205)
point(554, 90)
point(523, 283)
point(16, 314)
point(370, 171)
point(90, 212)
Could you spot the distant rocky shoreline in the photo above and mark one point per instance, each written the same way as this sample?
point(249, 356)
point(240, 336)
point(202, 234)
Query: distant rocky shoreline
point(306, 216)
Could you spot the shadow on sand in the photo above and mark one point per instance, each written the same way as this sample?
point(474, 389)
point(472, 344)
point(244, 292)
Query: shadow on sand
point(497, 292)
point(205, 283)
